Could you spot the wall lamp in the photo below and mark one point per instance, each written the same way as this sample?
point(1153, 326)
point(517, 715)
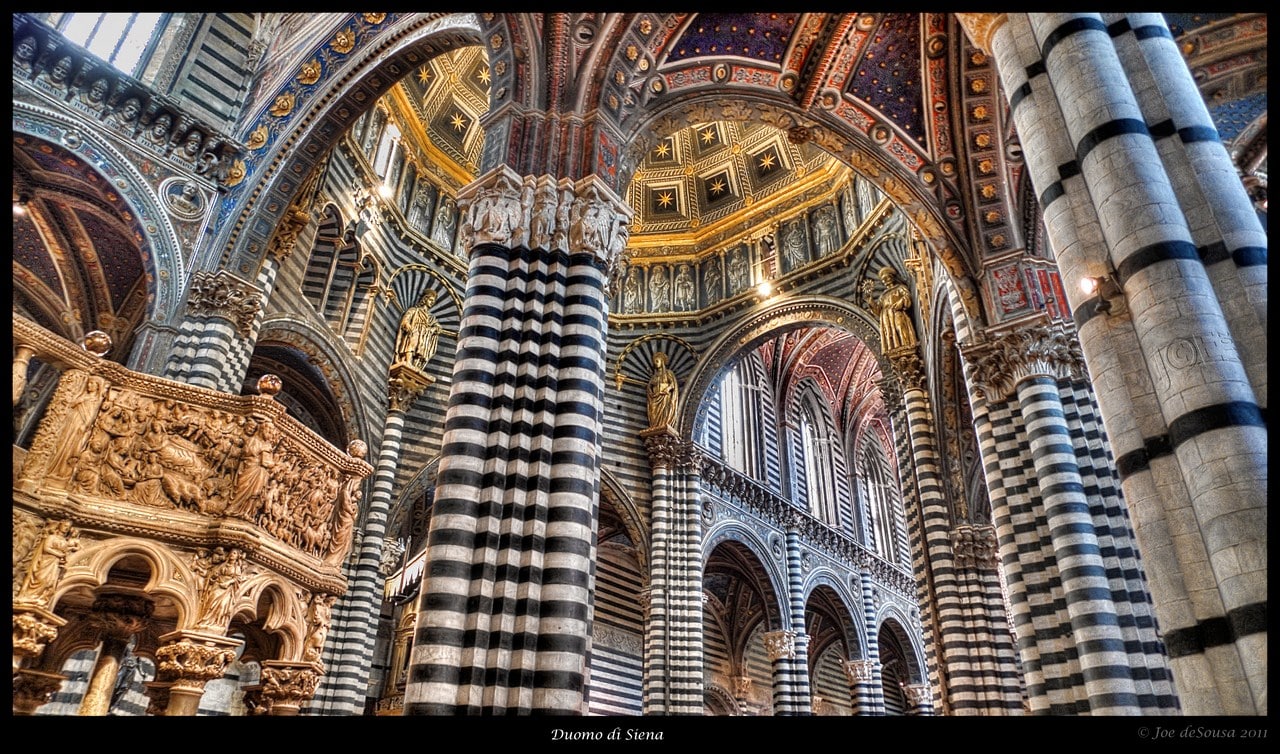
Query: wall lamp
point(20, 204)
point(1110, 295)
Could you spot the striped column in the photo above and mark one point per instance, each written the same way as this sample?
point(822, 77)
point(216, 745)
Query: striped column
point(986, 682)
point(873, 699)
point(1103, 662)
point(795, 602)
point(663, 446)
point(862, 688)
point(935, 570)
point(345, 685)
point(1183, 418)
point(781, 648)
point(215, 340)
point(919, 700)
point(505, 615)
point(1227, 233)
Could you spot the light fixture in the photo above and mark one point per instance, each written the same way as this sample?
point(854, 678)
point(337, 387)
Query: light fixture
point(765, 289)
point(20, 205)
point(386, 192)
point(1108, 291)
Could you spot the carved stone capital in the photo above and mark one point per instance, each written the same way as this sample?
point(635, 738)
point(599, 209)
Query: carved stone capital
point(405, 385)
point(891, 393)
point(780, 645)
point(600, 222)
point(289, 683)
point(158, 695)
point(33, 629)
point(495, 208)
point(1041, 349)
point(190, 659)
point(121, 616)
point(859, 671)
point(742, 686)
point(288, 230)
point(974, 547)
point(908, 366)
point(33, 688)
point(665, 447)
point(222, 294)
point(917, 694)
point(981, 27)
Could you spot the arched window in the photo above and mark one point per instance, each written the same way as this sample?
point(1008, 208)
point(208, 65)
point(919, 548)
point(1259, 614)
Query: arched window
point(882, 500)
point(741, 419)
point(818, 463)
point(387, 145)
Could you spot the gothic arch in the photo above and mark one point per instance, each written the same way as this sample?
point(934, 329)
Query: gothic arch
point(170, 576)
point(856, 640)
point(891, 618)
point(160, 248)
point(732, 531)
point(633, 520)
point(274, 175)
point(769, 321)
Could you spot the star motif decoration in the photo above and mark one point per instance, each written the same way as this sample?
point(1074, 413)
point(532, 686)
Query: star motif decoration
point(665, 199)
point(458, 122)
point(717, 187)
point(766, 162)
point(483, 75)
point(708, 136)
point(663, 149)
point(424, 75)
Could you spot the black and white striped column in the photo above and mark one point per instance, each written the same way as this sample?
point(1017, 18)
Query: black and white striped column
point(673, 677)
point(1227, 233)
point(345, 685)
point(799, 675)
point(871, 698)
point(787, 699)
point(1183, 418)
point(861, 693)
point(505, 615)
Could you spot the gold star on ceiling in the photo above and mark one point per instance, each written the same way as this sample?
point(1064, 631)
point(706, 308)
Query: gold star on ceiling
point(663, 149)
point(424, 75)
point(665, 199)
point(766, 162)
point(717, 187)
point(458, 122)
point(708, 136)
point(483, 75)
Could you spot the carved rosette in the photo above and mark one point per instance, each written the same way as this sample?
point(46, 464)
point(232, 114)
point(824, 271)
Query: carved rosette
point(289, 684)
point(859, 671)
point(33, 688)
point(193, 659)
point(33, 629)
point(222, 294)
point(974, 547)
point(908, 367)
point(781, 645)
point(1042, 349)
point(981, 27)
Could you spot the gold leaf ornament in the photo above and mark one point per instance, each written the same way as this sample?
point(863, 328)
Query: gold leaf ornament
point(258, 138)
point(344, 41)
point(310, 72)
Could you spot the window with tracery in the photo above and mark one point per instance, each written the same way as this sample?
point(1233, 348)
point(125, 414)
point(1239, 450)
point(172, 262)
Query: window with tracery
point(122, 39)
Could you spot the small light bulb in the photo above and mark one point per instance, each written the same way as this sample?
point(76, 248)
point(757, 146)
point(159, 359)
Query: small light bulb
point(765, 288)
point(1089, 285)
point(386, 191)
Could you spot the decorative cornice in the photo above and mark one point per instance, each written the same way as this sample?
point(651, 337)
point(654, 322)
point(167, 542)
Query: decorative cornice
point(222, 294)
point(1041, 349)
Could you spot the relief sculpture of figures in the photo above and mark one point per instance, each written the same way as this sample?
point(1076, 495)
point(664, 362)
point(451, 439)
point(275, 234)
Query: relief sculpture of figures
point(47, 563)
point(256, 460)
point(664, 395)
point(319, 612)
point(738, 276)
point(223, 571)
point(631, 292)
point(660, 289)
point(896, 328)
point(825, 230)
point(345, 525)
point(793, 245)
point(684, 289)
point(81, 410)
point(419, 333)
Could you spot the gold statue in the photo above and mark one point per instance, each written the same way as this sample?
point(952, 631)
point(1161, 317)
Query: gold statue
point(419, 334)
point(896, 328)
point(664, 394)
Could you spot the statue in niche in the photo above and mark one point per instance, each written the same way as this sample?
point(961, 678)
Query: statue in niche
point(825, 231)
point(25, 52)
point(419, 333)
point(664, 394)
point(684, 289)
point(896, 328)
point(793, 245)
point(631, 292)
point(711, 281)
point(849, 205)
point(739, 277)
point(127, 114)
point(223, 572)
point(60, 72)
point(445, 222)
point(660, 289)
point(95, 97)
